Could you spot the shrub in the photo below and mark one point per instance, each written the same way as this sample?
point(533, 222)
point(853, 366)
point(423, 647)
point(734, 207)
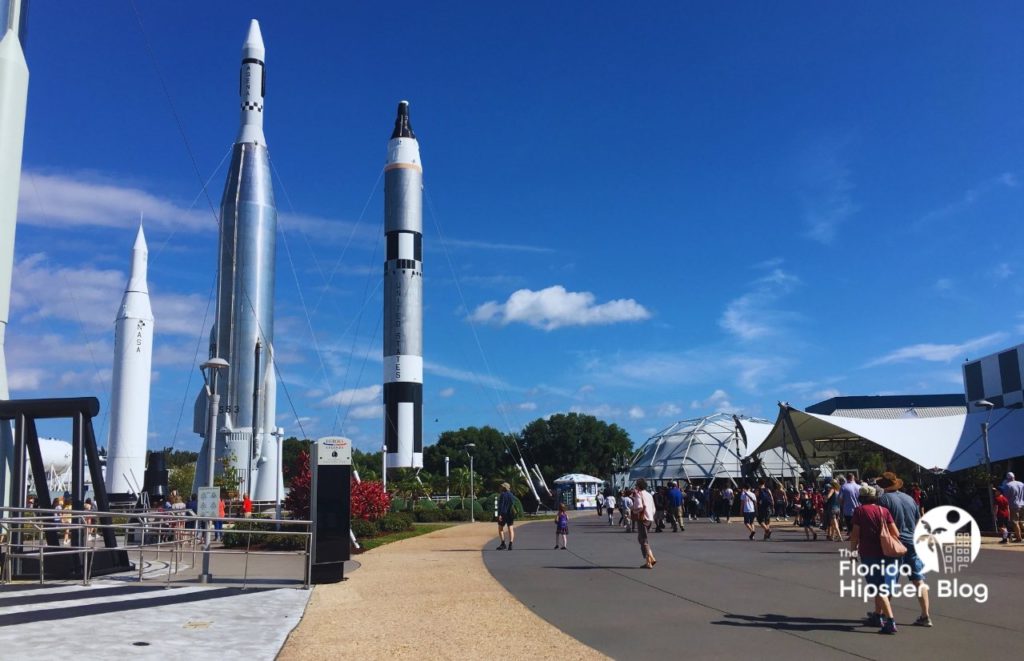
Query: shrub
point(456, 515)
point(236, 538)
point(429, 516)
point(425, 504)
point(399, 504)
point(369, 500)
point(364, 529)
point(395, 522)
point(297, 501)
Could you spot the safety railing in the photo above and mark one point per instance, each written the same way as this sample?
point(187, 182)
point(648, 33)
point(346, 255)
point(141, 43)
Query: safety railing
point(150, 537)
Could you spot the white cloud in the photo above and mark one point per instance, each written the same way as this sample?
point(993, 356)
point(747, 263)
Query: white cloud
point(1000, 272)
point(718, 401)
point(826, 195)
point(970, 198)
point(827, 393)
point(367, 412)
point(25, 379)
point(599, 411)
point(752, 371)
point(751, 316)
point(446, 393)
point(488, 245)
point(939, 353)
point(554, 307)
point(527, 406)
point(636, 413)
point(669, 410)
point(353, 396)
point(481, 380)
point(80, 200)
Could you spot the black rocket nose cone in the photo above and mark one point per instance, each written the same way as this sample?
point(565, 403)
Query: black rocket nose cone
point(403, 129)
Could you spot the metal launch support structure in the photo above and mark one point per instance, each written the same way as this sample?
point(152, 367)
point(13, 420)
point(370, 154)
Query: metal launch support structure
point(131, 379)
point(245, 299)
point(13, 102)
point(403, 298)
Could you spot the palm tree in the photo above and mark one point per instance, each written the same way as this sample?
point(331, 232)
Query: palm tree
point(459, 478)
point(514, 477)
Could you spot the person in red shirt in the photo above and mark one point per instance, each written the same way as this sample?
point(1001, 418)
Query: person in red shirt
point(246, 505)
point(1002, 515)
point(866, 538)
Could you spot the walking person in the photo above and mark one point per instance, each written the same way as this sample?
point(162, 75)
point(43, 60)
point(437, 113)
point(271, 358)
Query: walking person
point(643, 513)
point(728, 497)
point(600, 503)
point(849, 500)
point(506, 516)
point(1014, 492)
point(906, 514)
point(626, 509)
point(561, 526)
point(748, 506)
point(832, 513)
point(659, 509)
point(780, 501)
point(609, 503)
point(1002, 515)
point(866, 538)
point(765, 505)
point(807, 514)
point(675, 499)
point(218, 525)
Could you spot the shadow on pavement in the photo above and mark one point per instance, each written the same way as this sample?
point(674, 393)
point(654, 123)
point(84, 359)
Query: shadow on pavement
point(790, 623)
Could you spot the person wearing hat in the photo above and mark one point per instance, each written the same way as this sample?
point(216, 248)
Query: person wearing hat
point(866, 526)
point(506, 516)
point(905, 513)
point(1014, 492)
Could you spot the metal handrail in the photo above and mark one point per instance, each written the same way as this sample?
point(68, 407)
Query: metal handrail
point(167, 527)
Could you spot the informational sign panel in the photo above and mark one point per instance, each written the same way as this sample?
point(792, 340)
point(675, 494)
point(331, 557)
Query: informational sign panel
point(334, 451)
point(209, 501)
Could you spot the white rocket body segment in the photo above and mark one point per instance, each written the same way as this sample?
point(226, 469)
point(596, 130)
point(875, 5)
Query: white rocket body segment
point(403, 297)
point(13, 101)
point(252, 86)
point(269, 480)
point(245, 294)
point(132, 376)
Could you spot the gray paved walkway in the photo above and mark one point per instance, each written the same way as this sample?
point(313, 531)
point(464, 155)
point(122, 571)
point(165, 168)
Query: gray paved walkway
point(714, 594)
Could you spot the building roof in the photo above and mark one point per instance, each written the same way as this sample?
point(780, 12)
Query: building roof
point(578, 478)
point(892, 406)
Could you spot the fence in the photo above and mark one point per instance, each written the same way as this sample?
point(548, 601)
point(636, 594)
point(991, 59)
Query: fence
point(154, 539)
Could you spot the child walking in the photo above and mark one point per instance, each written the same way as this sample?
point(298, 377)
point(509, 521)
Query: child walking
point(561, 526)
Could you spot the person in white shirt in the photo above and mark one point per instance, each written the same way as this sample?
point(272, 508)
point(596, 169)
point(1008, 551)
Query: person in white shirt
point(626, 507)
point(643, 515)
point(748, 506)
point(609, 502)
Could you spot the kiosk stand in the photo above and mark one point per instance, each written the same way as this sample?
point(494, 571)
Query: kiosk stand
point(330, 508)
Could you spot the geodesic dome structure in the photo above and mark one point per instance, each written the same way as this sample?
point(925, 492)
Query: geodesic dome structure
point(707, 448)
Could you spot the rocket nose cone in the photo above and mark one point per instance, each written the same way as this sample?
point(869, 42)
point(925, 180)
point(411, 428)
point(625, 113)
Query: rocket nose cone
point(253, 41)
point(140, 240)
point(403, 127)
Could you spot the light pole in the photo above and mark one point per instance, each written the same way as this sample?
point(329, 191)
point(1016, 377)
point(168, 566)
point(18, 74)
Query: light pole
point(209, 370)
point(472, 491)
point(988, 406)
point(279, 434)
point(447, 484)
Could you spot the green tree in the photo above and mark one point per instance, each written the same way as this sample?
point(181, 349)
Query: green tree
point(180, 479)
point(514, 477)
point(228, 479)
point(367, 463)
point(574, 443)
point(179, 458)
point(490, 453)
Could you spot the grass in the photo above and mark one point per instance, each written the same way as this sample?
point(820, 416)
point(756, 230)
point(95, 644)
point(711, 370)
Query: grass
point(420, 529)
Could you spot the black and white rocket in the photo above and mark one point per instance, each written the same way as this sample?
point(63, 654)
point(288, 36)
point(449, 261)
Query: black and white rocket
point(243, 332)
point(131, 379)
point(403, 297)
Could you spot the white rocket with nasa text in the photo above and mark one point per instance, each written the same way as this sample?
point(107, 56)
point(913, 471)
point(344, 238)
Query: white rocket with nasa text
point(129, 397)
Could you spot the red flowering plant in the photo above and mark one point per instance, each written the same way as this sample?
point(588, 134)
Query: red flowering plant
point(301, 482)
point(369, 500)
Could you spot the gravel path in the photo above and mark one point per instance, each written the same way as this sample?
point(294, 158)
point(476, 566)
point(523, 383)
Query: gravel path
point(429, 597)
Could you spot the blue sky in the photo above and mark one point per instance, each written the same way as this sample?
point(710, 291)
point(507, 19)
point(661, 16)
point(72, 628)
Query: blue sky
point(641, 214)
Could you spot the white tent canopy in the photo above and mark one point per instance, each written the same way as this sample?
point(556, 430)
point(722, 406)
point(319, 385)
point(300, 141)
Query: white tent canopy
point(706, 448)
point(578, 478)
point(950, 443)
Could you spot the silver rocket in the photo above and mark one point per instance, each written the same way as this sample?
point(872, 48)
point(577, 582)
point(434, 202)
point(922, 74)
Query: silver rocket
point(132, 375)
point(243, 332)
point(403, 297)
point(13, 101)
